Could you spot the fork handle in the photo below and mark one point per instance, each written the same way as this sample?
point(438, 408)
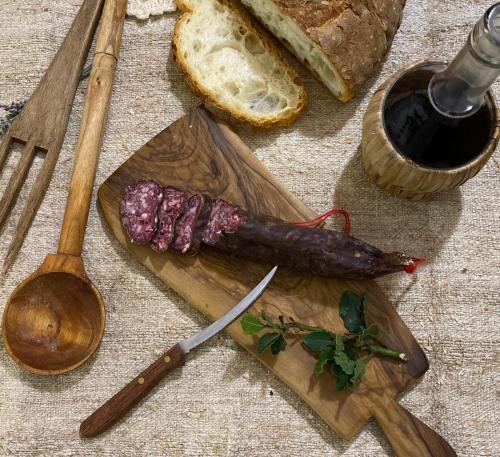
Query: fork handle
point(92, 129)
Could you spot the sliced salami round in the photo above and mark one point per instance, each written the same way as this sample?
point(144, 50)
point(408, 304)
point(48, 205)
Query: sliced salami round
point(139, 208)
point(173, 205)
point(200, 225)
point(185, 225)
point(224, 218)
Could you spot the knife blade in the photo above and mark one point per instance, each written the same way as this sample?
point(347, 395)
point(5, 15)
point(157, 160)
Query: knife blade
point(123, 401)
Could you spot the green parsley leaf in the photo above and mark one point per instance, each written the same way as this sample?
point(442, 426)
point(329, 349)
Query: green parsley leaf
point(366, 336)
point(267, 340)
point(372, 330)
point(343, 380)
point(278, 345)
point(351, 312)
point(342, 358)
point(325, 356)
point(319, 341)
point(339, 343)
point(345, 362)
point(251, 324)
point(359, 371)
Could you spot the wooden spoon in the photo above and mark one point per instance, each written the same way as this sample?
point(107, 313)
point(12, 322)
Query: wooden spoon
point(54, 320)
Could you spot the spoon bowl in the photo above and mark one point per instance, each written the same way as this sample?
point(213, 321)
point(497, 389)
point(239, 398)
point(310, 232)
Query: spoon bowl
point(54, 320)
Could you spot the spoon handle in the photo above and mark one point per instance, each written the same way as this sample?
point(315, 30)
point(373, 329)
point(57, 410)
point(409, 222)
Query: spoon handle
point(92, 129)
point(123, 401)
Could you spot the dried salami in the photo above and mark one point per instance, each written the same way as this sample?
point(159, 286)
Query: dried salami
point(200, 224)
point(139, 208)
point(224, 218)
point(350, 261)
point(173, 205)
point(227, 227)
point(186, 223)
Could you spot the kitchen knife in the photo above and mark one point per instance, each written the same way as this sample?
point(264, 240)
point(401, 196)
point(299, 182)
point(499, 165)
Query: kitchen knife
point(115, 408)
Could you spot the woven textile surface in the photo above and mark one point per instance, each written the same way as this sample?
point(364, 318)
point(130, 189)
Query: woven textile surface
point(225, 403)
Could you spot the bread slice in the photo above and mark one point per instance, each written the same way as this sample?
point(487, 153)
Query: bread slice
point(235, 65)
point(341, 42)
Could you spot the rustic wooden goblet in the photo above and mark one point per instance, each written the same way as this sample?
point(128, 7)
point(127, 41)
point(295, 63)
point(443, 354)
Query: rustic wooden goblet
point(399, 175)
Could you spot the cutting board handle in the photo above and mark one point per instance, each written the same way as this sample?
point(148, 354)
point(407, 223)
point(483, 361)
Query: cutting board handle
point(408, 436)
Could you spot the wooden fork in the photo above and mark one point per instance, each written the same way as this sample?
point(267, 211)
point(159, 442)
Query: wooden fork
point(41, 125)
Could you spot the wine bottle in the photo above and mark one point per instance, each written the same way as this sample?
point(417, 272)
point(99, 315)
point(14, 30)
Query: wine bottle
point(437, 114)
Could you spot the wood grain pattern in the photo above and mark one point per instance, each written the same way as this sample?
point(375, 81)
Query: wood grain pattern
point(92, 130)
point(43, 122)
point(54, 321)
point(199, 153)
point(121, 403)
point(401, 176)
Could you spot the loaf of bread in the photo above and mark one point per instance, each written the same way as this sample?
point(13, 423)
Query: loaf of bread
point(341, 41)
point(234, 65)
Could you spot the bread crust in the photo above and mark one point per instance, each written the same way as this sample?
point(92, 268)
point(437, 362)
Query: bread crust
point(354, 34)
point(215, 103)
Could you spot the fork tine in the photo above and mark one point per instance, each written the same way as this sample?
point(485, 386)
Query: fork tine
point(16, 181)
point(32, 204)
point(4, 148)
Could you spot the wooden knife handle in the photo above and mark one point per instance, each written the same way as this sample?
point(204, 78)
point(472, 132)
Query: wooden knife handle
point(408, 436)
point(115, 408)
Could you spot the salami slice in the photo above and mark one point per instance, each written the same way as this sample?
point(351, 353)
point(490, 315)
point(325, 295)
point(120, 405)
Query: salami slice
point(224, 218)
point(139, 208)
point(185, 225)
point(173, 205)
point(200, 224)
point(323, 252)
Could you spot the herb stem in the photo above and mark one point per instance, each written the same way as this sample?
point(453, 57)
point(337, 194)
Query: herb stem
point(306, 328)
point(376, 349)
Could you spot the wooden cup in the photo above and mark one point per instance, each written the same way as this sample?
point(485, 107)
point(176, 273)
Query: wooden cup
point(399, 175)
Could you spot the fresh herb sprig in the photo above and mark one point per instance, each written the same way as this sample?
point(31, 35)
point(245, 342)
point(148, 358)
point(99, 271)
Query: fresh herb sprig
point(343, 355)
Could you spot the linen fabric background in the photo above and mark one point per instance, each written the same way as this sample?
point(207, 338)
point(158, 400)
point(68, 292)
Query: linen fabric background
point(225, 403)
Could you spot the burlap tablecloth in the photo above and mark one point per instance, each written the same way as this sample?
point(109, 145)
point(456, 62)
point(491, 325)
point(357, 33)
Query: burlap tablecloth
point(225, 403)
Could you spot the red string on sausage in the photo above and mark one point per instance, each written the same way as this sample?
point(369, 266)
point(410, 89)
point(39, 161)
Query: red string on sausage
point(416, 263)
point(319, 220)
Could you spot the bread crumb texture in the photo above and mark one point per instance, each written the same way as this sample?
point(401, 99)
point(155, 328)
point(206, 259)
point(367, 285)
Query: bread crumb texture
point(235, 65)
point(342, 42)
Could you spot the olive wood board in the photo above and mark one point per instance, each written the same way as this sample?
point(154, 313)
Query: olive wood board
point(200, 153)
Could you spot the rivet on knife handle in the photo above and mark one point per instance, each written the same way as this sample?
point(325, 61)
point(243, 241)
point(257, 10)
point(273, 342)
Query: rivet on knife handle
point(115, 408)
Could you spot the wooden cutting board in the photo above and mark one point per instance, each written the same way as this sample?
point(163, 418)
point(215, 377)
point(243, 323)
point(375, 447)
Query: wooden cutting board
point(199, 153)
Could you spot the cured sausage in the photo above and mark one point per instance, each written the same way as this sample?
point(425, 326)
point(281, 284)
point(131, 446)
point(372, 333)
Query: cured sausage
point(173, 205)
point(184, 228)
point(315, 251)
point(139, 210)
point(229, 228)
point(200, 224)
point(224, 219)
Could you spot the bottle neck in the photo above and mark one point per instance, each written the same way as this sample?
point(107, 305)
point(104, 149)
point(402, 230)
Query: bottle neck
point(459, 91)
